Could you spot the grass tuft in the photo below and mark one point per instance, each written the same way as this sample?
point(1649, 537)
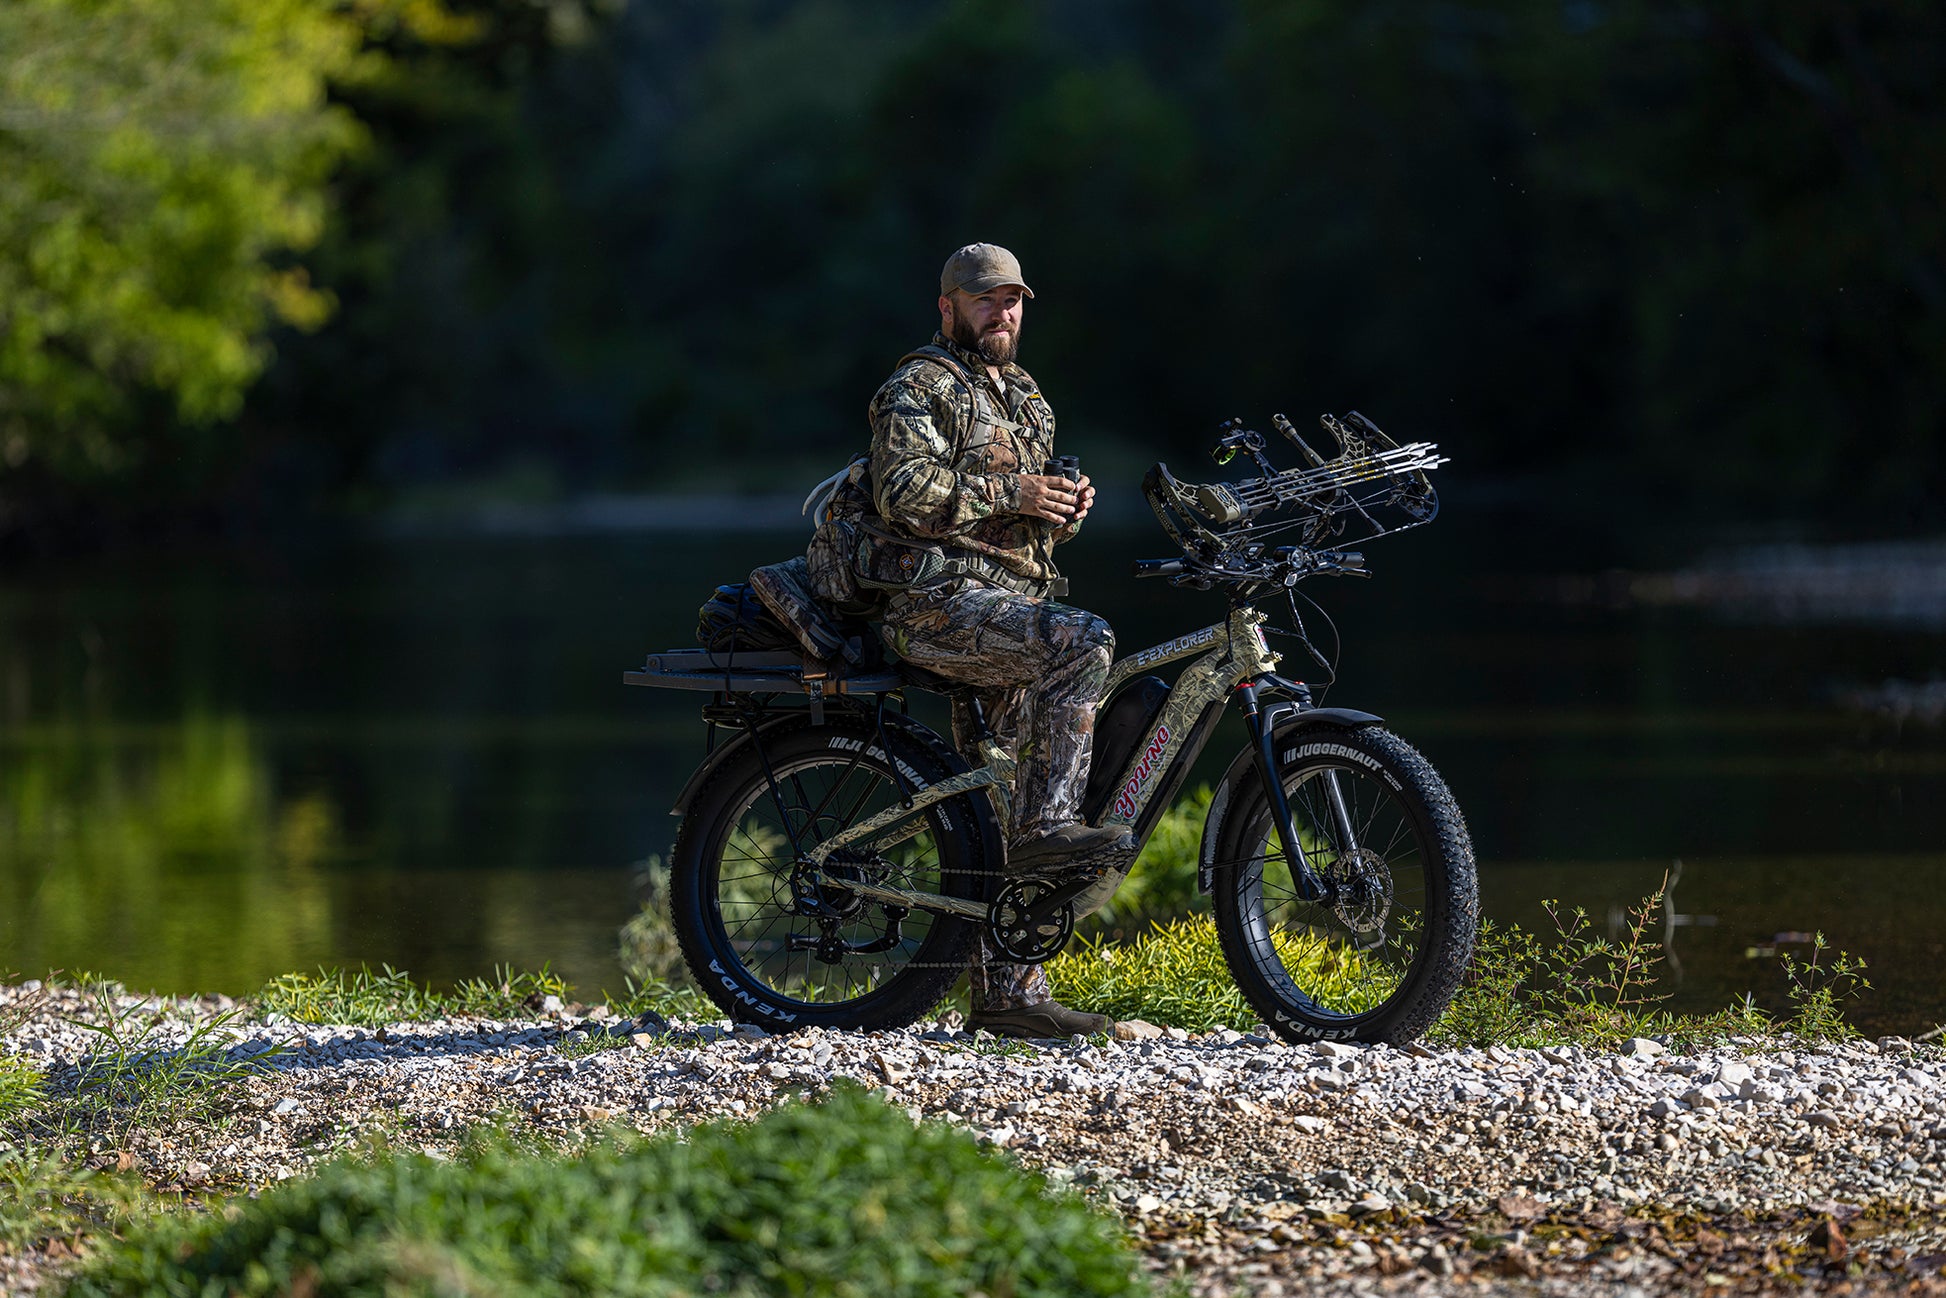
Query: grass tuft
point(1174, 974)
point(21, 1087)
point(151, 1066)
point(843, 1197)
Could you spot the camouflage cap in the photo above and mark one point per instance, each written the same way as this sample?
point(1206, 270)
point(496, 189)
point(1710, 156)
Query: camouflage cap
point(981, 266)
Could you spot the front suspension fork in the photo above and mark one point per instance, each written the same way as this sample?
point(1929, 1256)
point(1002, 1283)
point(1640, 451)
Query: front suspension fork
point(1309, 886)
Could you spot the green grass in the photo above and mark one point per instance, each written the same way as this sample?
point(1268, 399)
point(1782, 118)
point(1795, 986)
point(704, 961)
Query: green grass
point(20, 1087)
point(1172, 975)
point(842, 1198)
point(20, 1081)
point(43, 1196)
point(151, 1065)
point(1520, 991)
point(367, 999)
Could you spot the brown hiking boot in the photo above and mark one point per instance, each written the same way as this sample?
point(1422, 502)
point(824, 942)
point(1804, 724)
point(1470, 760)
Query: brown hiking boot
point(1046, 1019)
point(1070, 845)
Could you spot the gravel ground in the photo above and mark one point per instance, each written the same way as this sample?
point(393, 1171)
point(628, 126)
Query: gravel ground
point(1243, 1163)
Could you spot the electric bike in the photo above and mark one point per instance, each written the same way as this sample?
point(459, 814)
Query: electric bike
point(837, 861)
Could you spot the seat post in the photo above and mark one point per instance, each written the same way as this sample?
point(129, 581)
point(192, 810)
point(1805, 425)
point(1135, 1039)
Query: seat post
point(982, 732)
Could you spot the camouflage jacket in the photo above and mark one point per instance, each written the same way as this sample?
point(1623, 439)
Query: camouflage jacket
point(943, 472)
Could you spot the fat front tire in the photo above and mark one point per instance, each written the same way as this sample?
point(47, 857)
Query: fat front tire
point(1381, 956)
point(752, 941)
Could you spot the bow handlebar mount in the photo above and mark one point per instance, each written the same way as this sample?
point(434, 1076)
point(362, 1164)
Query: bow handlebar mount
point(1372, 487)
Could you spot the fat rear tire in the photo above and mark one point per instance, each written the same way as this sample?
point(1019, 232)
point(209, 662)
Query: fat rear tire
point(730, 894)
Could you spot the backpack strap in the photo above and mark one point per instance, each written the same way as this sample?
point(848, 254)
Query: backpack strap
point(983, 411)
point(818, 503)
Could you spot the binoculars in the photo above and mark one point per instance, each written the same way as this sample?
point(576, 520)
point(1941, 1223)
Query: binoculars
point(1063, 466)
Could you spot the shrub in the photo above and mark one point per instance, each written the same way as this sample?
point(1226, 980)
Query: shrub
point(844, 1197)
point(1174, 974)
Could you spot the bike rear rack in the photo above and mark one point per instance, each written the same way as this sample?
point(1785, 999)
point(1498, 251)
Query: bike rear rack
point(765, 672)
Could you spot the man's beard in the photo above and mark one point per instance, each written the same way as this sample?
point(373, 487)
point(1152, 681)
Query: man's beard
point(994, 348)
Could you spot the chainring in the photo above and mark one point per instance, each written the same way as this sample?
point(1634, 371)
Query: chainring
point(1024, 926)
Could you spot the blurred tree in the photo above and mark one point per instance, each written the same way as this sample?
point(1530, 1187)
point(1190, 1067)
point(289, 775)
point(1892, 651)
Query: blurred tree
point(1757, 192)
point(163, 160)
point(1693, 249)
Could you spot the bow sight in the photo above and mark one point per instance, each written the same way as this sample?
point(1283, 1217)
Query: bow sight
point(1371, 487)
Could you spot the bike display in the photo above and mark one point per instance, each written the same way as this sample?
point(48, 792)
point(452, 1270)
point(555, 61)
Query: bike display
point(837, 860)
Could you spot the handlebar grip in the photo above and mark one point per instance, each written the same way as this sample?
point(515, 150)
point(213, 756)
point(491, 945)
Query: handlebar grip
point(1160, 567)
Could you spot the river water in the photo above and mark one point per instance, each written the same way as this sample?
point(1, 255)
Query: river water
point(417, 751)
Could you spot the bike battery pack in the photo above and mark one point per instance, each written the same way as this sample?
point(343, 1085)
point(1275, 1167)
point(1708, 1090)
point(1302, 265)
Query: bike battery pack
point(1120, 728)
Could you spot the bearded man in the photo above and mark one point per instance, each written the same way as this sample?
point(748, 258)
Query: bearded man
point(960, 437)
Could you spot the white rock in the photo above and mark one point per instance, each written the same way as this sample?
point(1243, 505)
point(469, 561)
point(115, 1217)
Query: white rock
point(1642, 1048)
point(1733, 1074)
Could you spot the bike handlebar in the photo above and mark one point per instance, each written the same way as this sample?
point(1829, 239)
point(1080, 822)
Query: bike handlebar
point(1160, 567)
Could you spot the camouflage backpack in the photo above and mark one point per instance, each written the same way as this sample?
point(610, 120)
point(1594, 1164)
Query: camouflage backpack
point(855, 560)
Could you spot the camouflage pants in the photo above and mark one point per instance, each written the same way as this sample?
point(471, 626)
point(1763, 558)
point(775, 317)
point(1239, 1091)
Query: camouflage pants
point(1039, 669)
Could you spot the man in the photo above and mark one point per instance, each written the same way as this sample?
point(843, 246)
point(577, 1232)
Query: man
point(960, 434)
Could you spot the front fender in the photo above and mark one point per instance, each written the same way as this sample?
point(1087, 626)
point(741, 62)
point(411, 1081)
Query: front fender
point(1286, 721)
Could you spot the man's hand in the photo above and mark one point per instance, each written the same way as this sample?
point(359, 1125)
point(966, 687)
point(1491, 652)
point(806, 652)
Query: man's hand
point(1055, 499)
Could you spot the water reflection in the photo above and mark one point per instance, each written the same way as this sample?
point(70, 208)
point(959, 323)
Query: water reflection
point(159, 853)
point(418, 752)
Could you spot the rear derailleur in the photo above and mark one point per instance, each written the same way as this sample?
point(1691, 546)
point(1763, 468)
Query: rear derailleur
point(821, 895)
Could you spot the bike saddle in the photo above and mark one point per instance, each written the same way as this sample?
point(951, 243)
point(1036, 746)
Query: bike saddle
point(921, 679)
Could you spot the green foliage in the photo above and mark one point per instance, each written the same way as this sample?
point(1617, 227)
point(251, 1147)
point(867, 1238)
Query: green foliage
point(20, 1081)
point(162, 157)
point(20, 1086)
point(1818, 992)
point(42, 1195)
point(1588, 990)
point(844, 1197)
point(1580, 988)
point(1599, 986)
point(1162, 883)
point(1492, 1005)
point(367, 999)
point(1173, 974)
point(1713, 219)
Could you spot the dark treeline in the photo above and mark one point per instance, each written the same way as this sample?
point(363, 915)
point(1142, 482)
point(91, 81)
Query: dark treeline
point(1694, 253)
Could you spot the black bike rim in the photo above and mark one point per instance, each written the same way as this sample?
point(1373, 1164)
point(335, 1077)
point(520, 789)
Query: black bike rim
point(823, 797)
point(1374, 966)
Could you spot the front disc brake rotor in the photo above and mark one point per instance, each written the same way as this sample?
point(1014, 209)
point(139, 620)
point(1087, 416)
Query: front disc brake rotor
point(1363, 892)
